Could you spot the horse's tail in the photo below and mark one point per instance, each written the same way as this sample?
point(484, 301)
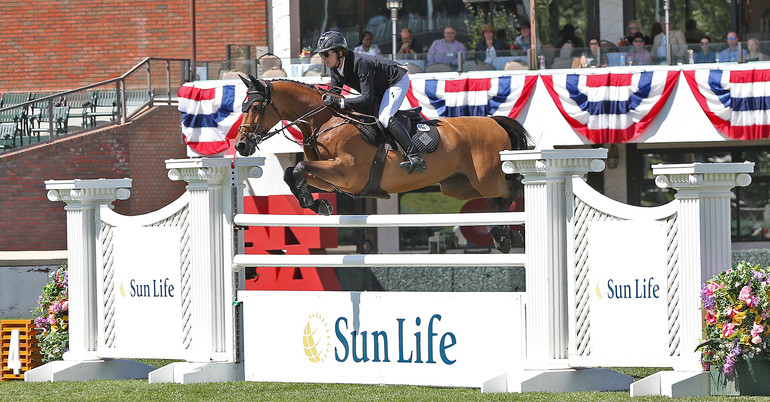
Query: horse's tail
point(519, 136)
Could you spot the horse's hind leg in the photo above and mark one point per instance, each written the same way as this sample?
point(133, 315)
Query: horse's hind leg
point(503, 236)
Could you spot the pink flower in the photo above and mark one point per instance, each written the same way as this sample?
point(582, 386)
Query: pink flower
point(730, 312)
point(757, 329)
point(711, 318)
point(728, 330)
point(756, 340)
point(745, 295)
point(713, 287)
point(65, 305)
point(51, 319)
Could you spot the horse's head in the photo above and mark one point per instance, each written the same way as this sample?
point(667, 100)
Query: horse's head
point(251, 131)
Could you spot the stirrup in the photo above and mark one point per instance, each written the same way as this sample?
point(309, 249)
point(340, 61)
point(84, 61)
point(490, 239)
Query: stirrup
point(413, 164)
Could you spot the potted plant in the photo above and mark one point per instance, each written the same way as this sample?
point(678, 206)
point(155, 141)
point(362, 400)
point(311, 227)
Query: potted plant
point(52, 316)
point(736, 334)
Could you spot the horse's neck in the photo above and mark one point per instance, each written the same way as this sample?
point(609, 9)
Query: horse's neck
point(293, 105)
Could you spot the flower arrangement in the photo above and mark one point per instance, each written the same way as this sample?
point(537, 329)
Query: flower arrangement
point(306, 52)
point(51, 316)
point(736, 309)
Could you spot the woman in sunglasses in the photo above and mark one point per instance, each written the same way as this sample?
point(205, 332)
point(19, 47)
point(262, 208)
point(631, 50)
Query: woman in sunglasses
point(706, 55)
point(382, 84)
point(631, 31)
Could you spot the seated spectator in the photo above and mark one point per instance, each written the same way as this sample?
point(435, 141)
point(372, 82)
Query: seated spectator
point(638, 56)
point(489, 47)
point(594, 54)
point(706, 55)
point(522, 41)
point(754, 53)
point(446, 50)
point(678, 44)
point(633, 28)
point(731, 53)
point(408, 44)
point(366, 46)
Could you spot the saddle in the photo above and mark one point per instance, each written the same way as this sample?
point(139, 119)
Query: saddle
point(424, 135)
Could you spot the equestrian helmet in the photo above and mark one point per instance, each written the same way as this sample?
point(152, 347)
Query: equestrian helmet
point(331, 40)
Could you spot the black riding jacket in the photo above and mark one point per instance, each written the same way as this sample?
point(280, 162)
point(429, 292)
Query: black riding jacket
point(371, 76)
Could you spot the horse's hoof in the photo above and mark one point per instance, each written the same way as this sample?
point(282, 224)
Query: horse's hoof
point(502, 238)
point(516, 238)
point(322, 207)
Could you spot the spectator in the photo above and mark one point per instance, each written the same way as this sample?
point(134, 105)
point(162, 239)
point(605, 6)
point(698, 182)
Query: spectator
point(446, 50)
point(366, 46)
point(594, 54)
point(754, 53)
point(655, 29)
point(567, 35)
point(706, 55)
point(408, 44)
point(678, 44)
point(731, 53)
point(638, 56)
point(522, 41)
point(692, 34)
point(633, 28)
point(489, 47)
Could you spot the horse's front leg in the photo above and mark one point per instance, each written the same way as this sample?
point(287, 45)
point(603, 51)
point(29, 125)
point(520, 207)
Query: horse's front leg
point(322, 174)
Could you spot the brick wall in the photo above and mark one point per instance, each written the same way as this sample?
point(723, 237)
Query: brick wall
point(59, 45)
point(136, 150)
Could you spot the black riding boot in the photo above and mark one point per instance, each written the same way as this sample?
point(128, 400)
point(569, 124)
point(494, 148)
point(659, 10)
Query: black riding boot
point(414, 162)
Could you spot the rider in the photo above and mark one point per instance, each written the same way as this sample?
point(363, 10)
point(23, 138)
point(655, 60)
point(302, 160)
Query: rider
point(381, 83)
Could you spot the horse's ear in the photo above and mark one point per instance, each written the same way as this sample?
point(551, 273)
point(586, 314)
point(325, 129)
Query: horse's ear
point(245, 81)
point(255, 82)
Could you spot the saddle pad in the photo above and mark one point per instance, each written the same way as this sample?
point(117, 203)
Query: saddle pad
point(425, 136)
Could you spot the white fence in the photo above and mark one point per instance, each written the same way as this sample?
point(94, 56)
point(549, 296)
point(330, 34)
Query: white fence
point(575, 268)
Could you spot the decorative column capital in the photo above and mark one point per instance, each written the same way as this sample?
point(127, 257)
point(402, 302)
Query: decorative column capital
point(88, 193)
point(202, 173)
point(553, 162)
point(691, 180)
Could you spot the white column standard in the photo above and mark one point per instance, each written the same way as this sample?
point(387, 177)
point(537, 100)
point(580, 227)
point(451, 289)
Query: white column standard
point(703, 191)
point(216, 194)
point(84, 198)
point(546, 177)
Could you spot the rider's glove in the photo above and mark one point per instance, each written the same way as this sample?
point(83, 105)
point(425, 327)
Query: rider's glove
point(333, 101)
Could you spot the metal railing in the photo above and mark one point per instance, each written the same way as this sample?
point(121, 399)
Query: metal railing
point(126, 95)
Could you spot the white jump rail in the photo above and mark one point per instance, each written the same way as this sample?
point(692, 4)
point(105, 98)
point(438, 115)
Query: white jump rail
point(384, 220)
point(380, 260)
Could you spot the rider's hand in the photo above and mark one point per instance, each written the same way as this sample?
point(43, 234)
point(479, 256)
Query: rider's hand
point(333, 101)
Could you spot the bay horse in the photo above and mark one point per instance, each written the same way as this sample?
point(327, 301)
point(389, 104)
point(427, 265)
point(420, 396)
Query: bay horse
point(466, 163)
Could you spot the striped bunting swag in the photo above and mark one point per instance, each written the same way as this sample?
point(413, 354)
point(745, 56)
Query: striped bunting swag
point(610, 108)
point(736, 102)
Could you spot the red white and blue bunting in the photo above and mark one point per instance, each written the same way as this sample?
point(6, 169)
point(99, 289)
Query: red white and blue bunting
point(737, 102)
point(610, 108)
point(495, 96)
point(208, 115)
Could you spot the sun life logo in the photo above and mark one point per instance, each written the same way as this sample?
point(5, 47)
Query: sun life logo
point(315, 338)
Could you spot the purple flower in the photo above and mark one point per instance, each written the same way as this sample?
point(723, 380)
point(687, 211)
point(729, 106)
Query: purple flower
point(55, 308)
point(39, 322)
point(707, 297)
point(758, 276)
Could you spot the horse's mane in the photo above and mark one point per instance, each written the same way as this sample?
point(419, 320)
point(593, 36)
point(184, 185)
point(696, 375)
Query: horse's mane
point(311, 86)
